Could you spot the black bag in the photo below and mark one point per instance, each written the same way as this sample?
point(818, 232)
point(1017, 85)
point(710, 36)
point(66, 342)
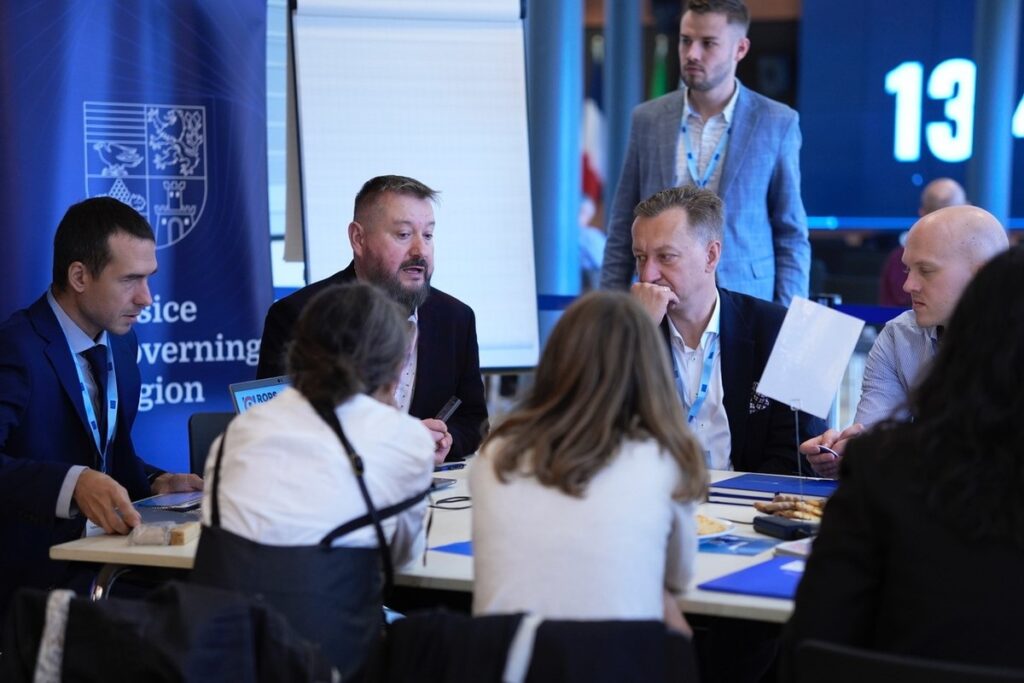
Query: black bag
point(332, 596)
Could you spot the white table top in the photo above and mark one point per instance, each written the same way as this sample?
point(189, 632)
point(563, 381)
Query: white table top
point(450, 571)
point(115, 550)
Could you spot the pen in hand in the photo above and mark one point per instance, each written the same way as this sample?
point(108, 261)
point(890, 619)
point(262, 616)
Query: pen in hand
point(449, 409)
point(826, 449)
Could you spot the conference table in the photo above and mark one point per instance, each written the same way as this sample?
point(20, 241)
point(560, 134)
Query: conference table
point(453, 571)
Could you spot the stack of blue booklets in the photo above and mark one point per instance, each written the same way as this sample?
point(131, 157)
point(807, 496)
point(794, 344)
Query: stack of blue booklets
point(747, 488)
point(775, 578)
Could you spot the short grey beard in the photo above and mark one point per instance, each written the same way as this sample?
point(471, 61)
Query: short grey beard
point(408, 299)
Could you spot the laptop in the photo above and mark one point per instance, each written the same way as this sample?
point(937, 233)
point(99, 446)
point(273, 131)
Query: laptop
point(245, 395)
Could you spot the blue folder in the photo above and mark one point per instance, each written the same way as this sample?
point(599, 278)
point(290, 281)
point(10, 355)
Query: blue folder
point(771, 483)
point(768, 579)
point(736, 545)
point(460, 548)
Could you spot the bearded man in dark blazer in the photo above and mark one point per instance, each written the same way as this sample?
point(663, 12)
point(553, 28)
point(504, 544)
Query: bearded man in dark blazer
point(392, 238)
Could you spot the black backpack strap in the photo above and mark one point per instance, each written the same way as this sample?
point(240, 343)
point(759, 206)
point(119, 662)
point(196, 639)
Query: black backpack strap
point(328, 415)
point(363, 520)
point(214, 501)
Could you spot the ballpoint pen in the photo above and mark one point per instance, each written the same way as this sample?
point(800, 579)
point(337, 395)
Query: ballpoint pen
point(826, 449)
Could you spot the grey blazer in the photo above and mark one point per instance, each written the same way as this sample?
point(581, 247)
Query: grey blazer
point(765, 251)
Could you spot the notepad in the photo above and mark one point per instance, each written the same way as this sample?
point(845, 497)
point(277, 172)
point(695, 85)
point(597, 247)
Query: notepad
point(775, 578)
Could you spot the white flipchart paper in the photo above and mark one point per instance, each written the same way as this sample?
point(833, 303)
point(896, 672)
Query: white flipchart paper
point(810, 356)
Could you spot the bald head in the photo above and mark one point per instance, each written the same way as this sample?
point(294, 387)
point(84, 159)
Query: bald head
point(967, 232)
point(944, 250)
point(940, 193)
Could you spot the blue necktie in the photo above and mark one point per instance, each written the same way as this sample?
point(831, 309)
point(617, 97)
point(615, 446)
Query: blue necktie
point(97, 358)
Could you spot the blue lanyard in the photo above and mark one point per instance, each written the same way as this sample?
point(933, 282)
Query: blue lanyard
point(110, 403)
point(705, 382)
point(691, 160)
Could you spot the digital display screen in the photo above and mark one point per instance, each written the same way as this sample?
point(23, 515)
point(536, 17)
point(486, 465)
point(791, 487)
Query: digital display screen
point(887, 103)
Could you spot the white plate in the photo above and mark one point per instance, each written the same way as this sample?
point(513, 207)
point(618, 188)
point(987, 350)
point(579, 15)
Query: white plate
point(729, 528)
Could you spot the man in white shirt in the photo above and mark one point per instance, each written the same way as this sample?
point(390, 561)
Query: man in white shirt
point(717, 134)
point(943, 252)
point(719, 340)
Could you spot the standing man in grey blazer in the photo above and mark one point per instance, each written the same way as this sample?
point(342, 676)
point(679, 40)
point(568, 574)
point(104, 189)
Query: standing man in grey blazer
point(719, 135)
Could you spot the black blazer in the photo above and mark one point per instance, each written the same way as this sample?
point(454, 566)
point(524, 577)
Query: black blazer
point(885, 574)
point(447, 358)
point(43, 433)
point(761, 429)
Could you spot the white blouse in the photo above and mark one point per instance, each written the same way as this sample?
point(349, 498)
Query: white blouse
point(607, 555)
point(285, 478)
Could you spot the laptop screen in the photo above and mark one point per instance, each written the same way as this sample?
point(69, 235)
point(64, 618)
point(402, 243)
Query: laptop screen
point(245, 395)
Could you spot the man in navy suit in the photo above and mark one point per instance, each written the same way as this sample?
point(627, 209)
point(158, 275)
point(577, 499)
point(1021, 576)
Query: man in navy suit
point(719, 341)
point(744, 147)
point(69, 393)
point(392, 237)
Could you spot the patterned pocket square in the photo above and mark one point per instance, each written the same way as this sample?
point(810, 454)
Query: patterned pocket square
point(758, 402)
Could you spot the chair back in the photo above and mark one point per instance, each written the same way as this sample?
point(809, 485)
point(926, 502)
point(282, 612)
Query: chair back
point(449, 648)
point(820, 661)
point(180, 632)
point(203, 428)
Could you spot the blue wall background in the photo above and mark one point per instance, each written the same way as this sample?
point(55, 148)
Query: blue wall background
point(162, 104)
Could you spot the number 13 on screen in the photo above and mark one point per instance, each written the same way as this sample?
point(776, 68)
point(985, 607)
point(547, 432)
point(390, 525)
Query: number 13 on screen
point(949, 140)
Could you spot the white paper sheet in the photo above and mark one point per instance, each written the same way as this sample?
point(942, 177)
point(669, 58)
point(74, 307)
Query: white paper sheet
point(810, 356)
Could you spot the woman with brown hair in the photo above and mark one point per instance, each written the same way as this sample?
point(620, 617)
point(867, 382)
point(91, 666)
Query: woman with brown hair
point(584, 497)
point(312, 493)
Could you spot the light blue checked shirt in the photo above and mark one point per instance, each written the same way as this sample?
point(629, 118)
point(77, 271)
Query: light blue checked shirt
point(897, 360)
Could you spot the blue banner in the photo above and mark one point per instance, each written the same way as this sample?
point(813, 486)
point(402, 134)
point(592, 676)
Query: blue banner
point(163, 106)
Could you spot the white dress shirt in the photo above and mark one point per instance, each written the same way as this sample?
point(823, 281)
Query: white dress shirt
point(407, 378)
point(704, 137)
point(711, 424)
point(285, 478)
point(79, 342)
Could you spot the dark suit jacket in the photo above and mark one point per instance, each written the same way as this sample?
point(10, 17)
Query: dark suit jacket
point(887, 574)
point(447, 357)
point(43, 432)
point(761, 429)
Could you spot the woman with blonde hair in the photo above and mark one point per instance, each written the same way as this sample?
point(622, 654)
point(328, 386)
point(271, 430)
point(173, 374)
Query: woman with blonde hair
point(584, 497)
